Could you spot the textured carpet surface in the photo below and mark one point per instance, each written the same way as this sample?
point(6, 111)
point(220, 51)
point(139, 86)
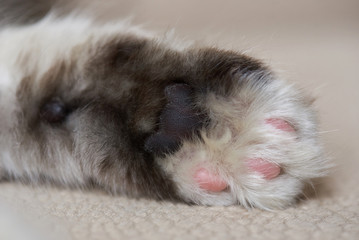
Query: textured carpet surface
point(314, 43)
point(94, 215)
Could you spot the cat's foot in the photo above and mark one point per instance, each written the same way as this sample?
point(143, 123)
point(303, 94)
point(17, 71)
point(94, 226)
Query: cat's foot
point(255, 146)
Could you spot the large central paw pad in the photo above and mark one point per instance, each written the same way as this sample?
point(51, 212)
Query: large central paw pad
point(178, 120)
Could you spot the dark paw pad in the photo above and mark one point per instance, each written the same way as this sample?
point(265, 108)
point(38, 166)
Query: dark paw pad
point(178, 120)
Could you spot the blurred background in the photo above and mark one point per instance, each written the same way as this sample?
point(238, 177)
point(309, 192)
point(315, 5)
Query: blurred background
point(312, 43)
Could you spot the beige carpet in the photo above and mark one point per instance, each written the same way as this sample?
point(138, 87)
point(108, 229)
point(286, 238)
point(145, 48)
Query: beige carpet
point(315, 43)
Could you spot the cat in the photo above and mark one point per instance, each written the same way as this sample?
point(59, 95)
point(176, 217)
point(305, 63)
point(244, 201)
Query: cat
point(113, 106)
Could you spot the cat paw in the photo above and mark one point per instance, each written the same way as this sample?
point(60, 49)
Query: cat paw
point(256, 146)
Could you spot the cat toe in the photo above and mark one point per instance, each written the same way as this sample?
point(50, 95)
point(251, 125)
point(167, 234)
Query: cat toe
point(268, 170)
point(280, 124)
point(209, 181)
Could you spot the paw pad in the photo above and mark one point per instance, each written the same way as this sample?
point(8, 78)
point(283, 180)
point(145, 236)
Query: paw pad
point(178, 120)
point(280, 124)
point(209, 181)
point(265, 168)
